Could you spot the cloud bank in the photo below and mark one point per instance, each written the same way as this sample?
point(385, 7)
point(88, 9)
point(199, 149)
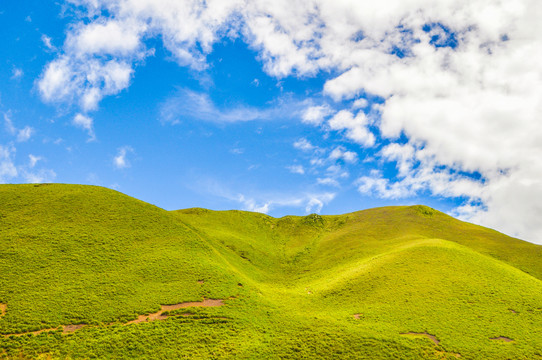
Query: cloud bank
point(459, 83)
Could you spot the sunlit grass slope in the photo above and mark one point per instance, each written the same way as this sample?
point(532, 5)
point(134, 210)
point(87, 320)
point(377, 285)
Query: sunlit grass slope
point(345, 286)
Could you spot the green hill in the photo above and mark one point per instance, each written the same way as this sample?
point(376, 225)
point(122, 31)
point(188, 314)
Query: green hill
point(87, 272)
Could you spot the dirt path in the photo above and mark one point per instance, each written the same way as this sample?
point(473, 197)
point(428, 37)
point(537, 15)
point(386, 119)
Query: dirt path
point(159, 314)
point(66, 329)
point(3, 308)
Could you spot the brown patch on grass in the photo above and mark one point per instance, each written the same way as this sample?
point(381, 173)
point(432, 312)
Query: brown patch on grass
point(140, 319)
point(433, 338)
point(200, 281)
point(204, 303)
point(3, 308)
point(66, 329)
point(357, 316)
point(502, 338)
point(71, 328)
point(160, 316)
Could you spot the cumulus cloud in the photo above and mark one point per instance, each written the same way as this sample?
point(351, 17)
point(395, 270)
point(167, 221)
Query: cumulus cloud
point(460, 80)
point(120, 161)
point(105, 37)
point(315, 115)
point(85, 80)
point(355, 127)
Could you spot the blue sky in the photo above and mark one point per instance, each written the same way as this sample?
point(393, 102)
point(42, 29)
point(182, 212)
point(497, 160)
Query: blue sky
point(243, 105)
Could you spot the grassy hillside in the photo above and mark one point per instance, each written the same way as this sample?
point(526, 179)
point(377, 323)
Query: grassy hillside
point(388, 283)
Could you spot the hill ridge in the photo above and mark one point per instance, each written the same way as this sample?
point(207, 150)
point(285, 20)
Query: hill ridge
point(348, 286)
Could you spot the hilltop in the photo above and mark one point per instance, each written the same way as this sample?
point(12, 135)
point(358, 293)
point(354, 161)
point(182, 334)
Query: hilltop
point(90, 272)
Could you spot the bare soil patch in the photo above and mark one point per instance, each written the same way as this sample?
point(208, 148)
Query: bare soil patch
point(357, 316)
point(502, 338)
point(160, 316)
point(433, 338)
point(204, 303)
point(71, 328)
point(3, 308)
point(141, 318)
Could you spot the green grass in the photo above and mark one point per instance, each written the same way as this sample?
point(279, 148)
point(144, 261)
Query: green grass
point(72, 254)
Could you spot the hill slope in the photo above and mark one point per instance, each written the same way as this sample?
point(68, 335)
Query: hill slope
point(84, 263)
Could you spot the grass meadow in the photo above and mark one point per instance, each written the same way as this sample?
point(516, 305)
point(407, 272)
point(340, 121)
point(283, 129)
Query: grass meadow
point(385, 283)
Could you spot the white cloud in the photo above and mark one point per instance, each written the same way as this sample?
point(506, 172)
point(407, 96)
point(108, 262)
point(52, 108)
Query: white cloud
point(337, 171)
point(120, 161)
point(17, 73)
point(472, 100)
point(296, 169)
point(10, 172)
point(360, 104)
point(304, 145)
point(340, 153)
point(21, 135)
point(33, 160)
point(310, 202)
point(9, 124)
point(7, 166)
point(40, 176)
point(328, 181)
point(266, 202)
point(109, 37)
point(86, 80)
point(47, 41)
point(85, 123)
point(24, 134)
point(237, 151)
point(317, 202)
point(315, 115)
point(188, 104)
point(355, 127)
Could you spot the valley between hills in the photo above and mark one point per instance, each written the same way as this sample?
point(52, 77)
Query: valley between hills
point(88, 272)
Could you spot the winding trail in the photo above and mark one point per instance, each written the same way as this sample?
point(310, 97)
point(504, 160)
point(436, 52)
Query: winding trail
point(159, 315)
